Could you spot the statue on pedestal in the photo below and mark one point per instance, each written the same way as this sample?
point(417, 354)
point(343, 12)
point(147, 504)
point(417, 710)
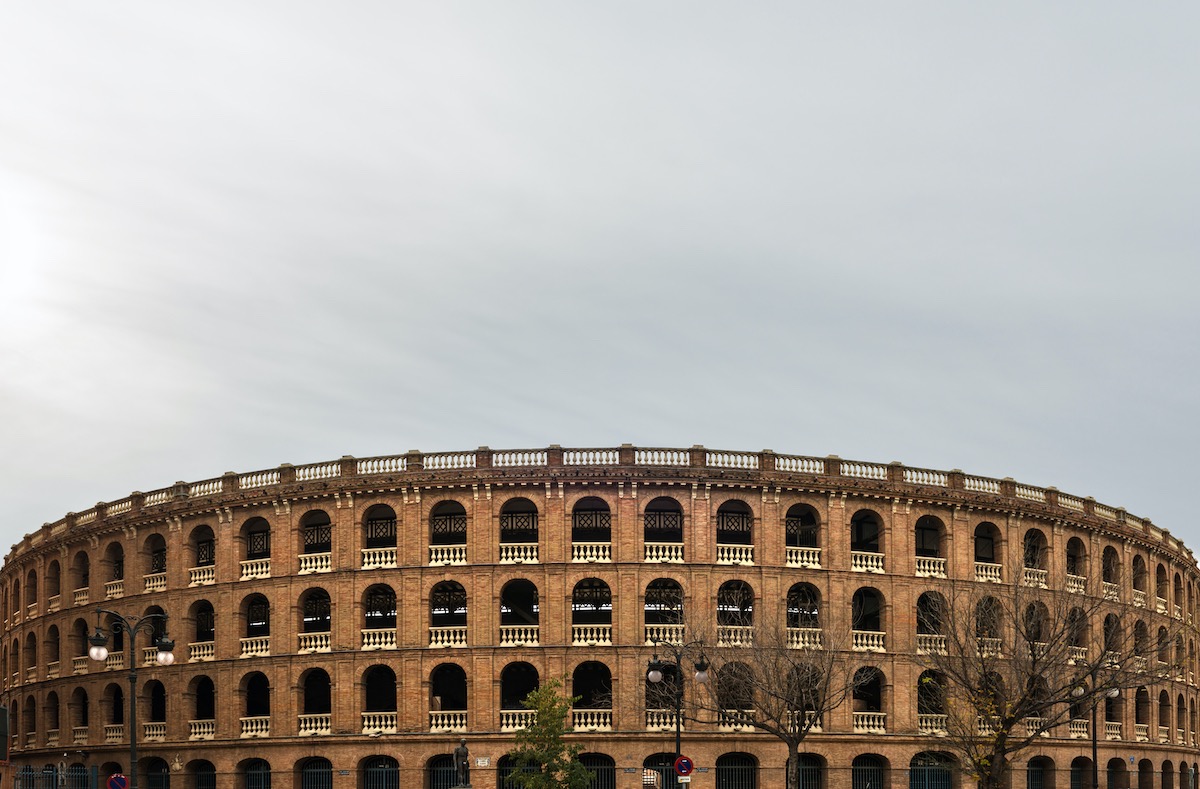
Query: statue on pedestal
point(462, 764)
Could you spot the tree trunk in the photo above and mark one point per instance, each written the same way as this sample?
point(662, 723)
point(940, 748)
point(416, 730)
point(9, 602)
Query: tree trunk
point(995, 776)
point(792, 767)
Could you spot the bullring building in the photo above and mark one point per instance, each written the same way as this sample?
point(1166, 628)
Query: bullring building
point(344, 624)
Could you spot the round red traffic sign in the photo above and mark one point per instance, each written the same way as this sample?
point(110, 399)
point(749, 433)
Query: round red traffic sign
point(684, 766)
point(118, 781)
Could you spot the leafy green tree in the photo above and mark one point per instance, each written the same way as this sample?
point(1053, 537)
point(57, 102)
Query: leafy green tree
point(543, 759)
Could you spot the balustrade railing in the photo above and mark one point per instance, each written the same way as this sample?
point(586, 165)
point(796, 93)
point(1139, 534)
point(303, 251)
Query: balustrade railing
point(931, 644)
point(735, 720)
point(868, 641)
point(52, 670)
point(512, 720)
point(53, 603)
point(253, 569)
point(1139, 598)
point(592, 720)
point(315, 642)
point(202, 576)
point(1160, 605)
point(379, 558)
point(447, 720)
point(804, 557)
point(1112, 730)
point(114, 733)
point(314, 724)
point(661, 720)
point(866, 562)
point(988, 647)
point(805, 638)
point(453, 554)
point(591, 635)
point(1111, 591)
point(149, 656)
point(1177, 611)
point(385, 638)
point(256, 646)
point(79, 735)
point(114, 589)
point(155, 582)
point(735, 635)
point(793, 718)
point(455, 636)
point(154, 731)
point(870, 723)
point(986, 571)
point(1141, 732)
point(115, 661)
point(202, 650)
point(80, 596)
point(202, 729)
point(315, 563)
point(518, 552)
point(660, 634)
point(1036, 725)
point(735, 554)
point(1076, 584)
point(930, 567)
point(518, 635)
point(256, 726)
point(1078, 729)
point(1077, 654)
point(1036, 577)
point(79, 665)
point(591, 551)
point(664, 552)
point(379, 722)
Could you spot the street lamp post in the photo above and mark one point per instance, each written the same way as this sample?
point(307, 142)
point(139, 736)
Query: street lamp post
point(1111, 693)
point(99, 652)
point(654, 673)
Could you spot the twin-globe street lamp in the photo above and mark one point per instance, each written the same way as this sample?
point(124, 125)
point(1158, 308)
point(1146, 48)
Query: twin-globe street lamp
point(99, 652)
point(655, 674)
point(1111, 693)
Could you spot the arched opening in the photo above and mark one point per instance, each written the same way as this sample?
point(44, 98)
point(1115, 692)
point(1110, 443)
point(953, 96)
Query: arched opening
point(448, 694)
point(866, 620)
point(316, 541)
point(866, 533)
point(379, 700)
point(928, 535)
point(663, 612)
point(603, 769)
point(868, 771)
point(592, 683)
point(987, 553)
point(1118, 775)
point(448, 615)
point(202, 548)
point(440, 772)
point(931, 623)
point(315, 621)
point(930, 770)
point(518, 531)
point(591, 530)
point(448, 533)
point(802, 537)
point(204, 706)
point(256, 690)
point(154, 558)
point(379, 537)
point(662, 530)
point(803, 611)
point(316, 772)
point(158, 774)
point(868, 713)
point(735, 614)
point(317, 700)
point(380, 772)
point(257, 774)
point(519, 613)
point(737, 771)
point(202, 774)
point(1076, 565)
point(735, 533)
point(256, 540)
point(591, 613)
point(379, 617)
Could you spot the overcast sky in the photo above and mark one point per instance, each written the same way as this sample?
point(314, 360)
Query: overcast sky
point(955, 235)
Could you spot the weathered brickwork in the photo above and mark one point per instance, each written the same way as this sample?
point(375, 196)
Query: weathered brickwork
point(316, 545)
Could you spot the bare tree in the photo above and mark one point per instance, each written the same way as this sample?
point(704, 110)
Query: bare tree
point(1008, 663)
point(780, 675)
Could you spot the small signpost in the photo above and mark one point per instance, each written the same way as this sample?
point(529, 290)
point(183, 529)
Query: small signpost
point(118, 781)
point(683, 768)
